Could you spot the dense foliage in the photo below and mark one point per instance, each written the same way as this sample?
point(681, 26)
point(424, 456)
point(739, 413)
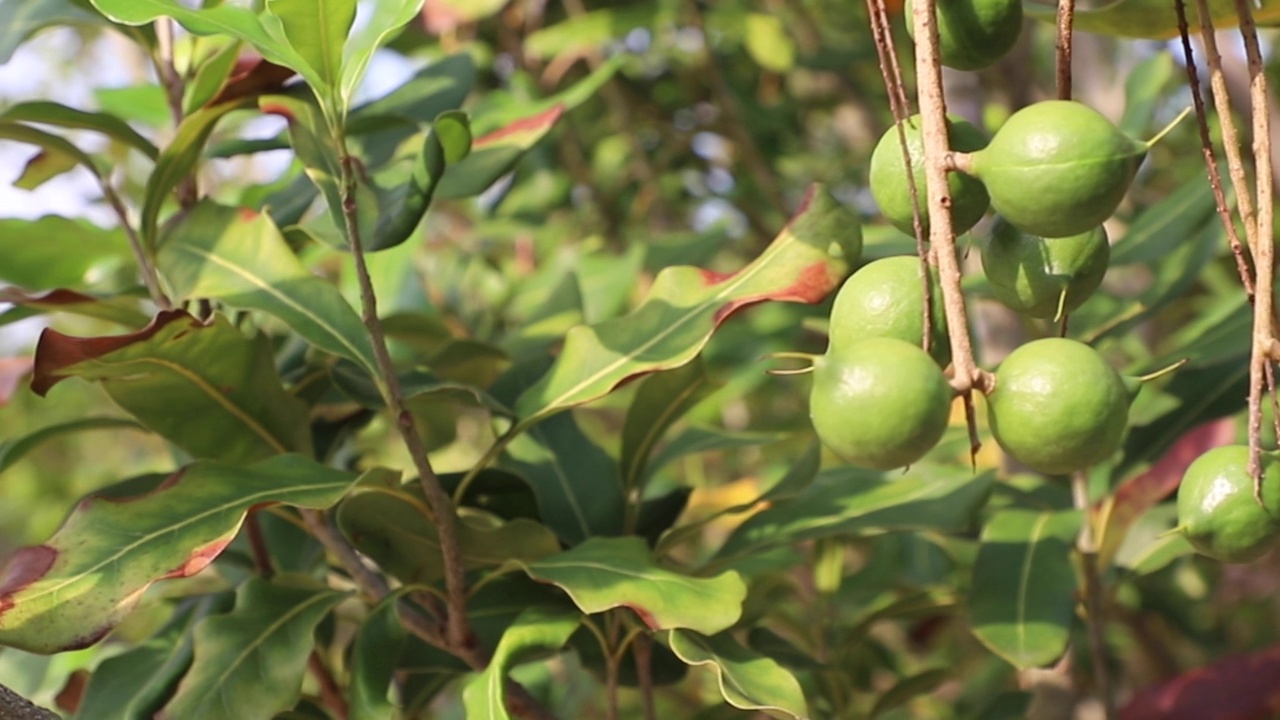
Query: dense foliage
point(485, 393)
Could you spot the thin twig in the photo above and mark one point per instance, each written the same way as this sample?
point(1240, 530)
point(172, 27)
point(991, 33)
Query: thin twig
point(174, 88)
point(442, 508)
point(330, 693)
point(1066, 18)
point(1263, 244)
point(1095, 617)
point(642, 651)
point(933, 112)
point(258, 545)
point(519, 701)
point(898, 103)
point(150, 278)
point(1210, 156)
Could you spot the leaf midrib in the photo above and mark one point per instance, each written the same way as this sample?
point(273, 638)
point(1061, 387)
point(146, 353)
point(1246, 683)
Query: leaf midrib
point(247, 501)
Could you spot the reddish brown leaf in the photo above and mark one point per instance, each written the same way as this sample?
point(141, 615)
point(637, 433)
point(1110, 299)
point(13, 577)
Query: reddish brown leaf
point(69, 697)
point(56, 351)
point(120, 309)
point(12, 370)
point(1235, 688)
point(519, 132)
point(1142, 492)
point(252, 76)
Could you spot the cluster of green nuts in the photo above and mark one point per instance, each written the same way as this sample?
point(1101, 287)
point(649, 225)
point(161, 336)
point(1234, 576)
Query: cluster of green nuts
point(1053, 173)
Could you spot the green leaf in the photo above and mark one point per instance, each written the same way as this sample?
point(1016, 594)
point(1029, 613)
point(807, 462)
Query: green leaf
point(70, 591)
point(1144, 90)
point(747, 681)
point(317, 31)
point(20, 19)
point(179, 368)
point(604, 573)
point(445, 15)
point(576, 482)
point(210, 76)
point(593, 29)
point(909, 688)
point(395, 529)
point(14, 449)
point(660, 400)
point(52, 144)
point(179, 158)
point(850, 502)
point(1153, 19)
point(57, 252)
point(218, 20)
point(309, 135)
point(238, 256)
point(1022, 596)
point(535, 631)
point(249, 664)
point(403, 201)
point(804, 263)
point(43, 167)
point(135, 683)
point(386, 19)
point(121, 309)
point(440, 86)
point(378, 644)
point(52, 113)
point(494, 154)
point(146, 104)
point(768, 43)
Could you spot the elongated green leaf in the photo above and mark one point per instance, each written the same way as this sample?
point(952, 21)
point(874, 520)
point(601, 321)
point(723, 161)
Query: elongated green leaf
point(1022, 598)
point(660, 400)
point(57, 252)
point(249, 664)
point(494, 154)
point(850, 501)
point(20, 19)
point(179, 159)
point(121, 309)
point(70, 591)
point(211, 74)
point(593, 29)
point(43, 167)
point(403, 201)
point(313, 144)
point(178, 368)
point(317, 30)
point(224, 19)
point(239, 257)
point(136, 683)
point(803, 264)
point(535, 631)
point(575, 481)
point(13, 450)
point(910, 687)
point(378, 644)
point(1154, 19)
point(440, 86)
point(386, 19)
point(747, 681)
point(604, 573)
point(768, 43)
point(394, 527)
point(52, 144)
point(52, 113)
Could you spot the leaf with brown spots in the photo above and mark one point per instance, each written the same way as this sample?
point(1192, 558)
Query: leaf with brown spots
point(71, 591)
point(203, 386)
point(803, 264)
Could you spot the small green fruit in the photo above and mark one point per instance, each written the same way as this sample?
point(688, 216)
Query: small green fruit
point(1058, 168)
point(1217, 510)
point(885, 298)
point(892, 191)
point(974, 34)
point(1041, 277)
point(881, 403)
point(1057, 406)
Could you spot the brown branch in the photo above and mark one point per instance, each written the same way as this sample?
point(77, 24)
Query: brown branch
point(15, 707)
point(444, 513)
point(642, 650)
point(1062, 50)
point(258, 545)
point(330, 693)
point(150, 278)
point(933, 112)
point(1263, 244)
point(1210, 157)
